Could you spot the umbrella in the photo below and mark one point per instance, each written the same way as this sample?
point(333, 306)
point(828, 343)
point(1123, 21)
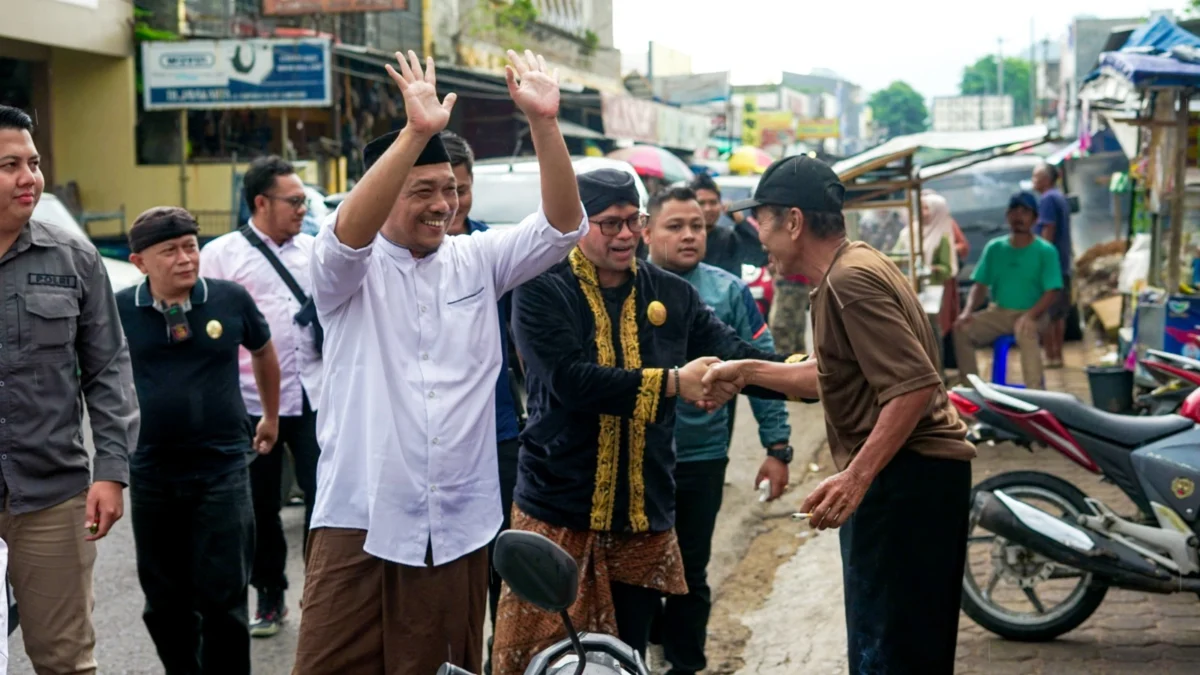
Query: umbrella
point(653, 162)
point(749, 159)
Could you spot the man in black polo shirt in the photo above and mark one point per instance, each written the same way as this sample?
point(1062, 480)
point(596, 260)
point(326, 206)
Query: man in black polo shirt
point(193, 518)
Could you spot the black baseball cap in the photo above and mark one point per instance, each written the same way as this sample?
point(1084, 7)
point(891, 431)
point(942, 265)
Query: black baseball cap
point(801, 182)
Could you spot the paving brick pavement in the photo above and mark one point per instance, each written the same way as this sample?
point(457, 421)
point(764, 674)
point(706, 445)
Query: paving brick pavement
point(1129, 633)
point(800, 627)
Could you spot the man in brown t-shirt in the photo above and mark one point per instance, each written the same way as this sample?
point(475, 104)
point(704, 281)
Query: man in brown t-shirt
point(902, 491)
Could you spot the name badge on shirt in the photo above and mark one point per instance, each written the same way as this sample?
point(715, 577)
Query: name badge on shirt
point(57, 280)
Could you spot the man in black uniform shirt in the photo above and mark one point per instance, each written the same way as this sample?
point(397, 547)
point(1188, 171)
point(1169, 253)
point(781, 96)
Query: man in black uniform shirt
point(193, 519)
point(605, 339)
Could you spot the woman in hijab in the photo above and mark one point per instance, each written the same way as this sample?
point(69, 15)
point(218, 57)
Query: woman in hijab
point(942, 246)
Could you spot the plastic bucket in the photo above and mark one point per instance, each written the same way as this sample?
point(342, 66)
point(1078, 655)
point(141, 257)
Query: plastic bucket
point(1111, 387)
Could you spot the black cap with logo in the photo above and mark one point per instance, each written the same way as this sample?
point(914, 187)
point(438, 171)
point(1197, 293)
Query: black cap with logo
point(801, 182)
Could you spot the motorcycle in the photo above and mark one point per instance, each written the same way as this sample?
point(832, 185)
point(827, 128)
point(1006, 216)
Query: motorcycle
point(541, 573)
point(1177, 377)
point(1058, 562)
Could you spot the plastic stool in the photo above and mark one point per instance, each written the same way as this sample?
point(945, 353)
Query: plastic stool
point(1000, 350)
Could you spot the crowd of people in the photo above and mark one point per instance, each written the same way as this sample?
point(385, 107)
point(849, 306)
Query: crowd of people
point(378, 353)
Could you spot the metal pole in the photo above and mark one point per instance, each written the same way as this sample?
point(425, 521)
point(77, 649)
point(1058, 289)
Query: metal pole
point(1178, 191)
point(283, 133)
point(1033, 74)
point(1000, 66)
point(183, 143)
point(912, 234)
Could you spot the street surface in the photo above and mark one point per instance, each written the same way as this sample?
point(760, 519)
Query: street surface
point(124, 647)
point(799, 625)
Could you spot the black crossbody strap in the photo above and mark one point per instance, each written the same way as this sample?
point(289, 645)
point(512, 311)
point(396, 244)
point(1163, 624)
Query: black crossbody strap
point(283, 272)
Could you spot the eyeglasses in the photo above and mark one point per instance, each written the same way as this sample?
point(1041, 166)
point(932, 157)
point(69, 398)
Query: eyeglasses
point(298, 202)
point(611, 227)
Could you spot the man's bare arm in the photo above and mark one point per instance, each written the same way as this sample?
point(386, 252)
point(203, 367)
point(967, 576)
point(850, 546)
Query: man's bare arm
point(794, 380)
point(367, 206)
point(896, 423)
point(535, 91)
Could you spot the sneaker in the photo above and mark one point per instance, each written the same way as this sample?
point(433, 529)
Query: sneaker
point(270, 615)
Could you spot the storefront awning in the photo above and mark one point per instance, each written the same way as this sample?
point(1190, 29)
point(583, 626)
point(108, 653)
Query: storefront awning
point(930, 146)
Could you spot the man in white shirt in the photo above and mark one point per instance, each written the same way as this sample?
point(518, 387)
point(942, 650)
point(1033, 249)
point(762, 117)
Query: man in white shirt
point(277, 201)
point(408, 492)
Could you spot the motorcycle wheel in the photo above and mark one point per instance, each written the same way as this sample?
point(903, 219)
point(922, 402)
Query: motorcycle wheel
point(1035, 626)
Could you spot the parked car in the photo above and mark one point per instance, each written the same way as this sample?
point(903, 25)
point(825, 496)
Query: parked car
point(506, 190)
point(50, 209)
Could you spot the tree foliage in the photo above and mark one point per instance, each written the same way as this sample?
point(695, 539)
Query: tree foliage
point(899, 110)
point(981, 78)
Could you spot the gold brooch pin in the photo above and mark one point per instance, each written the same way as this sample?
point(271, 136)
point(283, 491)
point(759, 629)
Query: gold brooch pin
point(657, 313)
point(214, 329)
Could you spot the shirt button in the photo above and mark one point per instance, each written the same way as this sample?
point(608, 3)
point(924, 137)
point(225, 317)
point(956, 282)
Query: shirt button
point(5, 457)
point(422, 309)
point(424, 357)
point(433, 488)
point(431, 395)
point(1, 383)
point(3, 421)
point(436, 441)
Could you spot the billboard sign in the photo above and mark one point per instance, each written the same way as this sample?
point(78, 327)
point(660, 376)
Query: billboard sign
point(817, 129)
point(251, 73)
point(692, 89)
point(291, 7)
point(628, 118)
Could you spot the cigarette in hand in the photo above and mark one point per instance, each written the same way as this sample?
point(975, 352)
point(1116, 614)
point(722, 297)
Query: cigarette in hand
point(801, 516)
point(764, 490)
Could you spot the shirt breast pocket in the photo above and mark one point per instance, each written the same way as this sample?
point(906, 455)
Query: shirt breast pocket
point(52, 321)
point(465, 313)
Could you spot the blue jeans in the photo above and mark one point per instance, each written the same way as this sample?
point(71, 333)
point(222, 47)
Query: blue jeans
point(195, 548)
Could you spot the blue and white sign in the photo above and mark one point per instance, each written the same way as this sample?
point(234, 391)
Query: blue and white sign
point(251, 73)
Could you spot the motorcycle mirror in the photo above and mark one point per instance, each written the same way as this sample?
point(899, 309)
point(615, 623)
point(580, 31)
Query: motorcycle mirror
point(539, 571)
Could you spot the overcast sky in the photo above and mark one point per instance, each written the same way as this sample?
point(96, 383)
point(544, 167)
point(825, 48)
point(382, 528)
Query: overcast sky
point(870, 42)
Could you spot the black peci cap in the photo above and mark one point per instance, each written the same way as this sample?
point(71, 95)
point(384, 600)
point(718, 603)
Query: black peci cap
point(434, 151)
point(801, 182)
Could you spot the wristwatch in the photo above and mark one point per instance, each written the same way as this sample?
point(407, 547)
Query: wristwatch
point(783, 454)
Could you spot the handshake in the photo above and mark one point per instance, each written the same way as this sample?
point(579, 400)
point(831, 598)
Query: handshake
point(709, 383)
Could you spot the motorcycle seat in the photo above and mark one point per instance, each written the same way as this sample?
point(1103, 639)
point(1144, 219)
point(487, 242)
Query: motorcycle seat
point(1127, 430)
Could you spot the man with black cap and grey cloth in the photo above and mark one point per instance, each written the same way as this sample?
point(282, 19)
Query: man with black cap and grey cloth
point(193, 519)
point(408, 490)
point(901, 494)
point(610, 343)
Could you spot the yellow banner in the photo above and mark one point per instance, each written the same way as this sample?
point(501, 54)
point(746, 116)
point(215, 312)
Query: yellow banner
point(776, 120)
point(816, 129)
point(751, 133)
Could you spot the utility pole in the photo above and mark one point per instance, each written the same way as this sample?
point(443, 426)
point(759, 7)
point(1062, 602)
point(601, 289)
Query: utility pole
point(1033, 73)
point(1000, 66)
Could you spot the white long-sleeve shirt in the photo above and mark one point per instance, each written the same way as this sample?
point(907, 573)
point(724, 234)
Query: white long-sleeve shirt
point(407, 418)
point(231, 257)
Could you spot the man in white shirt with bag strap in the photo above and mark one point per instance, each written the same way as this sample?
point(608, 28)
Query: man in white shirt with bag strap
point(408, 491)
point(269, 256)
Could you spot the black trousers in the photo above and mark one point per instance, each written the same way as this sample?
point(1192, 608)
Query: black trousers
point(635, 608)
point(508, 452)
point(266, 478)
point(195, 544)
point(699, 488)
point(903, 553)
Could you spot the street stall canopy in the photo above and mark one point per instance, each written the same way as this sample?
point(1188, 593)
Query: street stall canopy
point(930, 147)
point(1150, 70)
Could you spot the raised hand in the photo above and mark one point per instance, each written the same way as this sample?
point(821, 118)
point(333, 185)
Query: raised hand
point(532, 86)
point(426, 115)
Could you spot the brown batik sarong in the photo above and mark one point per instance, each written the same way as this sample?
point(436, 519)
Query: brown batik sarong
point(650, 560)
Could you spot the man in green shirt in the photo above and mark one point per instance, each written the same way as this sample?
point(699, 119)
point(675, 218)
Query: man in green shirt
point(1024, 278)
